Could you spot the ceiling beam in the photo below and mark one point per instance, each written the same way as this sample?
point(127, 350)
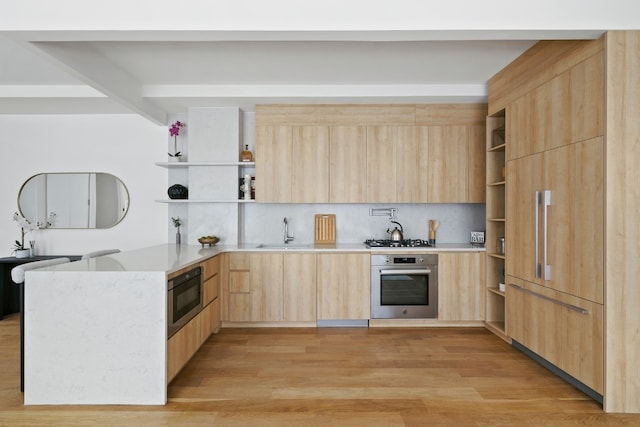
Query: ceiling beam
point(83, 62)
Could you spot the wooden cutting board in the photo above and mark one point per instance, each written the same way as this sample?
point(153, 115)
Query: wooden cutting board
point(325, 229)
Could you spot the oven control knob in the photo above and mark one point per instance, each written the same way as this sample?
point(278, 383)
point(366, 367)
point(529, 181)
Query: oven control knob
point(404, 311)
point(420, 260)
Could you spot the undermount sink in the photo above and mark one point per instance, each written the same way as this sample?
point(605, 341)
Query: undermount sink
point(282, 246)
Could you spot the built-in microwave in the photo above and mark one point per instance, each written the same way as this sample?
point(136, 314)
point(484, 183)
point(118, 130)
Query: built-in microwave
point(184, 301)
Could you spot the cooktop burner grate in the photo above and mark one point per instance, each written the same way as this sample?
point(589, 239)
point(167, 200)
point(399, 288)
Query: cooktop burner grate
point(405, 243)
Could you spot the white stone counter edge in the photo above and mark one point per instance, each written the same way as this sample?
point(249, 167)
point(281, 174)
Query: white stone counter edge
point(169, 258)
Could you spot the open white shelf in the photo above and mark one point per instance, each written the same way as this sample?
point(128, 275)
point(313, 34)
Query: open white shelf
point(187, 164)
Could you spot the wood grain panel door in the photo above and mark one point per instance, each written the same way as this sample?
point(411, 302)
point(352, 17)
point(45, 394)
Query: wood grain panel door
point(461, 286)
point(565, 330)
point(587, 98)
point(476, 149)
point(412, 158)
point(575, 176)
point(299, 288)
point(524, 178)
point(381, 164)
point(519, 127)
point(344, 286)
point(448, 171)
point(274, 157)
point(347, 165)
point(310, 164)
point(266, 287)
point(551, 121)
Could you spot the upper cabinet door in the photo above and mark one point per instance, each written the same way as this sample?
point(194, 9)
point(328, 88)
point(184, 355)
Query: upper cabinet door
point(381, 164)
point(568, 108)
point(412, 155)
point(476, 146)
point(310, 164)
point(347, 165)
point(448, 170)
point(274, 158)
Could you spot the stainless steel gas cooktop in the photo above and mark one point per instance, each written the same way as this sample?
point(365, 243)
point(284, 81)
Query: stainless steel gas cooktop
point(404, 243)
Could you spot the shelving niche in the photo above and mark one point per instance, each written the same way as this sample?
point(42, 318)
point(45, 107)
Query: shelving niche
point(495, 223)
point(242, 166)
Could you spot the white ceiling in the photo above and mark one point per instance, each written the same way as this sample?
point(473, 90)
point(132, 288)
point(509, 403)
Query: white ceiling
point(157, 58)
point(156, 78)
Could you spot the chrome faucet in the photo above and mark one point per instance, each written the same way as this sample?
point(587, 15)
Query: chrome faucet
point(287, 238)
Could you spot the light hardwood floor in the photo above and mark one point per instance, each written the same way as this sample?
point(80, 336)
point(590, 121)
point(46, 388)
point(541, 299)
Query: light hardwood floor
point(335, 377)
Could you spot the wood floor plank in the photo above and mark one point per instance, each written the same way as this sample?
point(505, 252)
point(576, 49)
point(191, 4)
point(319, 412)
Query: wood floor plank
point(335, 377)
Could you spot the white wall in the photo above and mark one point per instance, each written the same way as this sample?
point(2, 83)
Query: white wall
point(126, 146)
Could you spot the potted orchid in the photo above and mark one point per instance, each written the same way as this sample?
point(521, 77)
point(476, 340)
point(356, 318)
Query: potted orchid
point(174, 131)
point(25, 227)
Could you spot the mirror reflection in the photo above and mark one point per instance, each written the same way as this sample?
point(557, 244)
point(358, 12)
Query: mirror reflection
point(74, 200)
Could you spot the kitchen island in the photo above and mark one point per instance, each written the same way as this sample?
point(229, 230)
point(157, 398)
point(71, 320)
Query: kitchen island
point(96, 329)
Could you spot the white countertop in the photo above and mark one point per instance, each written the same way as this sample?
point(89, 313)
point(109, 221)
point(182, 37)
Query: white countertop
point(170, 257)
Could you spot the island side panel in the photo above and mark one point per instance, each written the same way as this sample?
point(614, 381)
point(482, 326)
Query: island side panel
point(95, 337)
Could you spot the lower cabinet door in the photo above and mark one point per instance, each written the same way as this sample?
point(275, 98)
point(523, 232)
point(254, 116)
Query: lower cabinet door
point(344, 286)
point(182, 345)
point(563, 329)
point(460, 286)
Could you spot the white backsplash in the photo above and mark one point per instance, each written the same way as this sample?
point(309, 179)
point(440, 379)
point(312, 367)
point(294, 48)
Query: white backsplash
point(263, 223)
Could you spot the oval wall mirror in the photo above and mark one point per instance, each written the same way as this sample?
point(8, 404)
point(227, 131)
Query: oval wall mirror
point(73, 200)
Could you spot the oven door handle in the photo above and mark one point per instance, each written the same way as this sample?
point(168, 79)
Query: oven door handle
point(421, 272)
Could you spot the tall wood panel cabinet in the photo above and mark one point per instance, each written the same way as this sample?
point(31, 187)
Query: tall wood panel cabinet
point(572, 129)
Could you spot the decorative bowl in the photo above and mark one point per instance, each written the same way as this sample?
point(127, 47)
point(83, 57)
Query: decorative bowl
point(208, 241)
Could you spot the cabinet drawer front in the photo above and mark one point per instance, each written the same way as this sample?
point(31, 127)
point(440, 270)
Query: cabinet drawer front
point(210, 289)
point(211, 267)
point(564, 330)
point(239, 261)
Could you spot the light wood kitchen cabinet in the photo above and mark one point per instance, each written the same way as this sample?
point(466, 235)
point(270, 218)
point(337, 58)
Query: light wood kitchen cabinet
point(211, 280)
point(564, 330)
point(381, 164)
point(567, 125)
point(271, 287)
point(573, 176)
point(397, 158)
point(412, 160)
point(563, 110)
point(184, 343)
point(344, 286)
point(370, 159)
point(182, 346)
point(310, 164)
point(348, 176)
point(456, 164)
point(461, 285)
point(256, 294)
point(299, 288)
point(274, 160)
point(448, 164)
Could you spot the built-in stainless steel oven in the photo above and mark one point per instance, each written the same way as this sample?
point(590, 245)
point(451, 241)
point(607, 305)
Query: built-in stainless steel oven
point(184, 300)
point(404, 286)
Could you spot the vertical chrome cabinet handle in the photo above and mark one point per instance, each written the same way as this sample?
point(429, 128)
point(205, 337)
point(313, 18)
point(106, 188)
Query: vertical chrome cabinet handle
point(545, 259)
point(536, 208)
